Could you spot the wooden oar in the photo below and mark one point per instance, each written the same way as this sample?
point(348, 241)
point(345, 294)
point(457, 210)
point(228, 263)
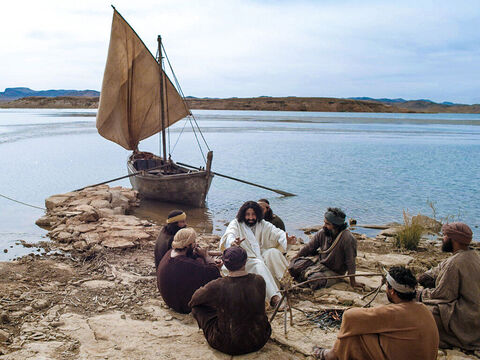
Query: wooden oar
point(281, 192)
point(123, 177)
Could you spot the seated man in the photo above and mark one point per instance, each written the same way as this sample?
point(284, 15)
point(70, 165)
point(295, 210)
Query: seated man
point(455, 297)
point(269, 216)
point(336, 249)
point(176, 220)
point(183, 270)
point(231, 310)
point(264, 243)
point(404, 329)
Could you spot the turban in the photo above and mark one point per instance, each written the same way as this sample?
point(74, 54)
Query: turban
point(183, 238)
point(234, 258)
point(458, 231)
point(334, 219)
point(175, 218)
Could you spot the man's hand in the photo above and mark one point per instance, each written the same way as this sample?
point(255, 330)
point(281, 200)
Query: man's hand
point(237, 241)
point(218, 263)
point(291, 239)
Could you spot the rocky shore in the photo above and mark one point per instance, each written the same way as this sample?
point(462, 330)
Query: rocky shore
point(94, 295)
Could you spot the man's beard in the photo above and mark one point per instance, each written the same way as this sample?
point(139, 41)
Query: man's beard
point(447, 246)
point(189, 252)
point(250, 222)
point(328, 232)
point(174, 228)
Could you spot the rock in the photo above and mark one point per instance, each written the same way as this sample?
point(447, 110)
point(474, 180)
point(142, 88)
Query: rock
point(390, 232)
point(80, 245)
point(98, 284)
point(427, 223)
point(118, 243)
point(96, 249)
point(101, 204)
point(45, 221)
point(40, 304)
point(4, 336)
point(56, 201)
point(131, 235)
point(118, 200)
point(119, 210)
point(64, 237)
point(4, 319)
point(105, 212)
point(91, 238)
point(82, 228)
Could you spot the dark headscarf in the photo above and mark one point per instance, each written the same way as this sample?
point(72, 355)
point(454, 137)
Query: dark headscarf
point(458, 231)
point(334, 218)
point(234, 258)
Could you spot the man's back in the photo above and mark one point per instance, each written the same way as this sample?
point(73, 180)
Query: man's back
point(397, 331)
point(162, 245)
point(180, 276)
point(457, 295)
point(232, 313)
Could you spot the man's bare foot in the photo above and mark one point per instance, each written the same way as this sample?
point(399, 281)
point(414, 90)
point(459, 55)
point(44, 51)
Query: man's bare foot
point(319, 353)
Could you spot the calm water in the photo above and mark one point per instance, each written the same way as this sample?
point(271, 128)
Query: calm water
point(371, 165)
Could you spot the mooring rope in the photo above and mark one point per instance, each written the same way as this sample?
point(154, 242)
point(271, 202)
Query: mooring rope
point(21, 202)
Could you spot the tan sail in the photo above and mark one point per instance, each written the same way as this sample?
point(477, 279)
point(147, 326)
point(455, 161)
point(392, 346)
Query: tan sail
point(129, 108)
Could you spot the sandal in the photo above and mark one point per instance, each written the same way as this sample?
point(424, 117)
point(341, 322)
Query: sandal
point(319, 352)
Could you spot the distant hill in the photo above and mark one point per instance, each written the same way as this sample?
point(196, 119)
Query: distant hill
point(291, 103)
point(20, 92)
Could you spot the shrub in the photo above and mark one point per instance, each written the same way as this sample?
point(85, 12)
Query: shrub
point(410, 233)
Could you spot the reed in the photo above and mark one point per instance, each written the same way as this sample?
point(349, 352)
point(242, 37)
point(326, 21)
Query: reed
point(409, 235)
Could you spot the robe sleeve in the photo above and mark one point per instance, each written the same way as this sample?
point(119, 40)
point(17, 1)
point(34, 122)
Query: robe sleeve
point(310, 249)
point(275, 235)
point(350, 251)
point(433, 272)
point(447, 286)
point(203, 295)
point(230, 235)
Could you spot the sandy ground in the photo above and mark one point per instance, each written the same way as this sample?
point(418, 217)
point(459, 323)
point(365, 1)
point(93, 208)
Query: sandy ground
point(107, 306)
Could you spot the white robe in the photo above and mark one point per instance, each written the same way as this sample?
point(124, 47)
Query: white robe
point(264, 249)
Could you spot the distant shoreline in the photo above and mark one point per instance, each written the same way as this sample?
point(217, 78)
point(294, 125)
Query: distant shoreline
point(316, 104)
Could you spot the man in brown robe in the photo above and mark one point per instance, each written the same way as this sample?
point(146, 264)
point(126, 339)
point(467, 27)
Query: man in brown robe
point(269, 216)
point(231, 310)
point(402, 330)
point(454, 298)
point(332, 251)
point(176, 220)
point(183, 270)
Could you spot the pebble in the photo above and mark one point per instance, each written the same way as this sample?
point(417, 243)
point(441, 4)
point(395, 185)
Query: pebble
point(41, 304)
point(168, 318)
point(123, 316)
point(4, 319)
point(4, 335)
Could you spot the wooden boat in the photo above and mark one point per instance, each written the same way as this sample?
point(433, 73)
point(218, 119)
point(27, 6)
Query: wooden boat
point(137, 101)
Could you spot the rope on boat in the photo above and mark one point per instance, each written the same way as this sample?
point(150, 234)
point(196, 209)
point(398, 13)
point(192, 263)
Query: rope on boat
point(191, 116)
point(21, 202)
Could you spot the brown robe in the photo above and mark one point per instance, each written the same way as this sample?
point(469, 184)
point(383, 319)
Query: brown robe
point(163, 244)
point(179, 277)
point(455, 300)
point(275, 220)
point(337, 262)
point(231, 313)
point(391, 332)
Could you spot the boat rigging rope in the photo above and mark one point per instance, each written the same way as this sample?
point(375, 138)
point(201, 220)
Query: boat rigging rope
point(21, 202)
point(191, 116)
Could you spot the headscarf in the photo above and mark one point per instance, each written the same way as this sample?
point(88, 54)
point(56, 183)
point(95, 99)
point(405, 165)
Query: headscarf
point(234, 258)
point(175, 216)
point(334, 219)
point(401, 288)
point(183, 238)
point(458, 231)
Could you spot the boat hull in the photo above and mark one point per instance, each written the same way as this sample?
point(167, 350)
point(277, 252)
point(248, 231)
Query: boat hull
point(188, 188)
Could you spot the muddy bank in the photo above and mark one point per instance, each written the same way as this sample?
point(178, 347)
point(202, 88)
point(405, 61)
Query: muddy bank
point(97, 299)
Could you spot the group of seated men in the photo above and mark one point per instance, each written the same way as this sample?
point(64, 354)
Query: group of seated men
point(231, 309)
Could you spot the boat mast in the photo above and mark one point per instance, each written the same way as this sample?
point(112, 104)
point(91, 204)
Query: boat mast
point(162, 97)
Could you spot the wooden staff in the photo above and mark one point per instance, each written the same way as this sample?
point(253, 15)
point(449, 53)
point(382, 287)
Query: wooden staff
point(334, 277)
point(281, 192)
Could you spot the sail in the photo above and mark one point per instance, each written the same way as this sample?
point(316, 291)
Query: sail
point(129, 108)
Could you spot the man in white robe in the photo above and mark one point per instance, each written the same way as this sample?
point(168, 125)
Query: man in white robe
point(264, 243)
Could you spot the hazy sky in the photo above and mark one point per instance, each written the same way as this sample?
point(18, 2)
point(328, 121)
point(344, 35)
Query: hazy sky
point(332, 48)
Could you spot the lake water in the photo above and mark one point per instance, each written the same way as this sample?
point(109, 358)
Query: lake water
point(373, 166)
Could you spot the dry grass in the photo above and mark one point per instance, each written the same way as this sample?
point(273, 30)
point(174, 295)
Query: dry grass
point(409, 235)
